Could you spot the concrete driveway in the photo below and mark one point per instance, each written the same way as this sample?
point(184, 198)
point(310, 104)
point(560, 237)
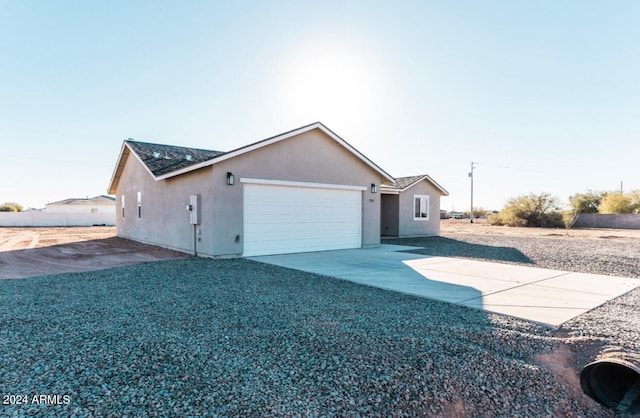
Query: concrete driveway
point(547, 296)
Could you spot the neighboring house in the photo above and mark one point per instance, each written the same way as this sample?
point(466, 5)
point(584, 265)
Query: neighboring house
point(303, 190)
point(95, 211)
point(411, 206)
point(97, 204)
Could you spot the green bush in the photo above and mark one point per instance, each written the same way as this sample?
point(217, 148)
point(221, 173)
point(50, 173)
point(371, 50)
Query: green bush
point(10, 207)
point(533, 210)
point(617, 202)
point(479, 212)
point(586, 202)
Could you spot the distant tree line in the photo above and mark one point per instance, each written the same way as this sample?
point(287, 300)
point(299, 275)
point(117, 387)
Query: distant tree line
point(606, 202)
point(543, 210)
point(11, 207)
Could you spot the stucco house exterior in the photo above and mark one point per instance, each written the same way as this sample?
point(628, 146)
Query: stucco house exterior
point(410, 206)
point(303, 190)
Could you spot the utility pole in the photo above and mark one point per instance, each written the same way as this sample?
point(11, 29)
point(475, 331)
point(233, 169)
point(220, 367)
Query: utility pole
point(473, 165)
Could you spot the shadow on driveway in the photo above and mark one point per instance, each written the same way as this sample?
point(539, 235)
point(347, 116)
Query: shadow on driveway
point(447, 247)
point(386, 267)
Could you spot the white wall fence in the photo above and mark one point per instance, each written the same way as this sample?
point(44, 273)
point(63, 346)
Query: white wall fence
point(56, 219)
point(617, 221)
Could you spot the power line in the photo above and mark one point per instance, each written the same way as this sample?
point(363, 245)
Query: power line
point(473, 165)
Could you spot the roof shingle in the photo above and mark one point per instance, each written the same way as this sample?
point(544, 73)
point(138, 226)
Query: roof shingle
point(402, 182)
point(161, 159)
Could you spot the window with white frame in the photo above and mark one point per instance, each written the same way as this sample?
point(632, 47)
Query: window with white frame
point(139, 204)
point(122, 205)
point(420, 207)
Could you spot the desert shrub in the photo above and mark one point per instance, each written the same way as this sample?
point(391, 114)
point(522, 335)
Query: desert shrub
point(616, 202)
point(10, 207)
point(533, 210)
point(569, 217)
point(479, 212)
point(586, 202)
point(507, 217)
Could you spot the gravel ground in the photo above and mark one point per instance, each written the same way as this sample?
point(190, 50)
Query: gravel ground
point(202, 337)
point(615, 256)
point(614, 324)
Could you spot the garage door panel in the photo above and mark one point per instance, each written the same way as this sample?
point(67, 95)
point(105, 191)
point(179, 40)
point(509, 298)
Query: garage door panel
point(281, 219)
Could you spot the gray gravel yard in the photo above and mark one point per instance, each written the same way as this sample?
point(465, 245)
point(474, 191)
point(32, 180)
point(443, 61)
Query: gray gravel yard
point(203, 337)
point(616, 257)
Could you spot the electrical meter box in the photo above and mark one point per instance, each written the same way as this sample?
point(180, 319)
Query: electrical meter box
point(194, 209)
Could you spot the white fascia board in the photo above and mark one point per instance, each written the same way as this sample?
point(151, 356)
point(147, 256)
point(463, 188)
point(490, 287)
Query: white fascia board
point(301, 184)
point(187, 169)
point(264, 143)
point(131, 151)
point(353, 150)
point(430, 180)
point(115, 176)
point(239, 151)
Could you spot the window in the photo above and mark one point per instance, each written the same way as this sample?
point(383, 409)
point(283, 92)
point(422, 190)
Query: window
point(420, 207)
point(139, 205)
point(94, 210)
point(122, 206)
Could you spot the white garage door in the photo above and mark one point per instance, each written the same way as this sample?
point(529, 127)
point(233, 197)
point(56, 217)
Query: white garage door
point(287, 219)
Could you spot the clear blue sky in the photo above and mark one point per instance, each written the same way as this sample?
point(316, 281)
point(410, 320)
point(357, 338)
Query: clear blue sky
point(545, 94)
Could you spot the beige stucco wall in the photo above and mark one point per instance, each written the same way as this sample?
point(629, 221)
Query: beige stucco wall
point(310, 157)
point(165, 219)
point(407, 225)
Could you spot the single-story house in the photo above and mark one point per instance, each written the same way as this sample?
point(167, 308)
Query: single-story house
point(303, 190)
point(410, 206)
point(97, 204)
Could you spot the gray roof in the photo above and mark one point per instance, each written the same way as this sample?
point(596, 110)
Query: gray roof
point(79, 201)
point(403, 183)
point(165, 161)
point(161, 159)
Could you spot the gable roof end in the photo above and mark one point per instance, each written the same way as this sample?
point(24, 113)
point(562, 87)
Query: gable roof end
point(163, 159)
point(401, 184)
point(166, 161)
point(268, 141)
point(158, 159)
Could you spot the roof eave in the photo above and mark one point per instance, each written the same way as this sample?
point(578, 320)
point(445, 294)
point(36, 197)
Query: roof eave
point(117, 171)
point(260, 144)
point(396, 190)
point(344, 143)
point(439, 187)
point(124, 154)
point(389, 190)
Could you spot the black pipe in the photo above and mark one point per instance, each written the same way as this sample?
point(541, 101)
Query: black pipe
point(613, 379)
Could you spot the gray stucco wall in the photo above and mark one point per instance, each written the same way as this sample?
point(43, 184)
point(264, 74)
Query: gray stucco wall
point(165, 219)
point(310, 157)
point(407, 225)
point(616, 221)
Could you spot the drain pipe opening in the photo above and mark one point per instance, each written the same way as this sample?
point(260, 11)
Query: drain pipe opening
point(614, 380)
